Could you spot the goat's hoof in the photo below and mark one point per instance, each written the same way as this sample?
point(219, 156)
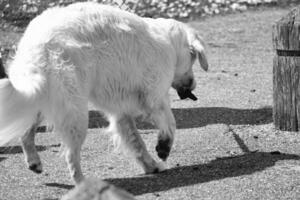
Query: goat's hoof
point(163, 149)
point(36, 167)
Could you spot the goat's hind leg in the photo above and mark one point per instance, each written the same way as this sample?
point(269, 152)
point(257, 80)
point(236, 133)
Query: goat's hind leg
point(125, 130)
point(73, 133)
point(32, 157)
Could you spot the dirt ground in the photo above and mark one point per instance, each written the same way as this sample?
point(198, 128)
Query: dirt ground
point(226, 146)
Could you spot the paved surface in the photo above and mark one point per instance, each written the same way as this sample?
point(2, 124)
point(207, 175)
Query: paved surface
point(225, 148)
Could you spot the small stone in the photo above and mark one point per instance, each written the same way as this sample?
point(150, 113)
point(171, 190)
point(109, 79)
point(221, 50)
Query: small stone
point(156, 194)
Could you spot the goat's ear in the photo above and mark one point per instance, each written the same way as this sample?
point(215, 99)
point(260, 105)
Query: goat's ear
point(198, 48)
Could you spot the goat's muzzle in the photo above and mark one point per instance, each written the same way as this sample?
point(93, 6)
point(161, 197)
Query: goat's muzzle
point(185, 93)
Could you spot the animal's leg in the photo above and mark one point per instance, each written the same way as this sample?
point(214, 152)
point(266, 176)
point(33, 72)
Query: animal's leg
point(165, 121)
point(28, 146)
point(73, 132)
point(125, 130)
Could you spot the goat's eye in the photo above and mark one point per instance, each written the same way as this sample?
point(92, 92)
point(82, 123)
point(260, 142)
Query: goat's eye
point(193, 54)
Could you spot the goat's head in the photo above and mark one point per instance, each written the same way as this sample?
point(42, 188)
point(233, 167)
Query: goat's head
point(189, 47)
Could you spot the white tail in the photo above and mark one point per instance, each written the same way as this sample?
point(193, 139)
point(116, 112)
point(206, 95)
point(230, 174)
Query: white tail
point(17, 112)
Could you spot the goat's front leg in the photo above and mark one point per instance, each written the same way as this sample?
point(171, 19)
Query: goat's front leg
point(126, 134)
point(165, 121)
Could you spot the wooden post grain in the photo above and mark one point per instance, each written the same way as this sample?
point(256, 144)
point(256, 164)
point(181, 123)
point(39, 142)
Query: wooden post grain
point(286, 72)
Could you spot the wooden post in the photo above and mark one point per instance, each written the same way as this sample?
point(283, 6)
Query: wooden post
point(286, 72)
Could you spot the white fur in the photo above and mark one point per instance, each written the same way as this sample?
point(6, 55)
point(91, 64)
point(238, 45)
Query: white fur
point(122, 63)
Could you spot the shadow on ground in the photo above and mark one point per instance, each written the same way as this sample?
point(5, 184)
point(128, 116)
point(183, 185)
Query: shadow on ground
point(182, 176)
point(217, 169)
point(2, 158)
point(18, 149)
point(199, 117)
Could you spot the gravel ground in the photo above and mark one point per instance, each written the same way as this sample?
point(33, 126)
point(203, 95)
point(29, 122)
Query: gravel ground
point(226, 146)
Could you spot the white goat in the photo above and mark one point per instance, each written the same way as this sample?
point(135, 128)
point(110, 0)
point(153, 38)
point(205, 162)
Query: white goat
point(122, 63)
